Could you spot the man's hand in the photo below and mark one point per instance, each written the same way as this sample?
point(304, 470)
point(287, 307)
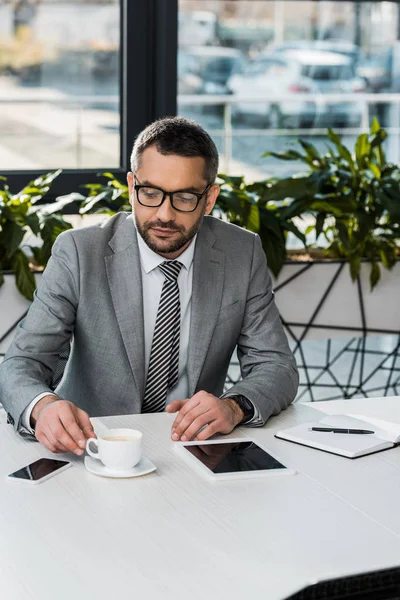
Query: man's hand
point(61, 426)
point(206, 412)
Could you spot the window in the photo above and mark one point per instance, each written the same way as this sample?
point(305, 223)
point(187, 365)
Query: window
point(327, 49)
point(78, 80)
point(59, 85)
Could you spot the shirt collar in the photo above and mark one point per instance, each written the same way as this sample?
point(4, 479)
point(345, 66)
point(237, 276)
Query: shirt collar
point(150, 260)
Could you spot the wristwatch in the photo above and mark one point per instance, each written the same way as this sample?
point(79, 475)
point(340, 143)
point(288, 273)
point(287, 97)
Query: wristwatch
point(246, 406)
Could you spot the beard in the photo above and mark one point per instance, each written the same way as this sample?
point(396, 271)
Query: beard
point(163, 247)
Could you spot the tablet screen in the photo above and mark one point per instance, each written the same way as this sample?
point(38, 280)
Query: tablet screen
point(234, 457)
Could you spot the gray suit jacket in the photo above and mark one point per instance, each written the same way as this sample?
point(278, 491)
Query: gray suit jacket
point(91, 292)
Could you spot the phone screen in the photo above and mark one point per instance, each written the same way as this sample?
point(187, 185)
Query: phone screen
point(39, 469)
point(234, 457)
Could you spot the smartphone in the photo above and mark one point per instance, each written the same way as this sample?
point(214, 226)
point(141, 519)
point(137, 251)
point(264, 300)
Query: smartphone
point(234, 459)
point(40, 470)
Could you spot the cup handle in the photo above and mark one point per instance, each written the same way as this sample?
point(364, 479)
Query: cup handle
point(89, 451)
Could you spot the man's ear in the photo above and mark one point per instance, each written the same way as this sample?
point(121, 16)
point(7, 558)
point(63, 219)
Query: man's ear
point(212, 196)
point(131, 183)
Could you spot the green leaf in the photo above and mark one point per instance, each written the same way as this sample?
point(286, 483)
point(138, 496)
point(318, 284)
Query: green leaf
point(293, 187)
point(273, 241)
point(310, 149)
point(287, 155)
point(46, 180)
point(289, 226)
point(375, 170)
point(343, 151)
point(108, 175)
point(235, 182)
point(253, 219)
point(390, 198)
point(355, 264)
point(375, 127)
point(117, 184)
point(32, 220)
point(319, 224)
point(375, 274)
point(51, 228)
point(11, 236)
point(362, 149)
point(378, 138)
point(89, 204)
point(343, 234)
point(61, 203)
point(23, 275)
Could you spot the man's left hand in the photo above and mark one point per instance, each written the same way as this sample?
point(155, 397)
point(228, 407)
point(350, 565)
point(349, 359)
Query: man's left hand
point(203, 412)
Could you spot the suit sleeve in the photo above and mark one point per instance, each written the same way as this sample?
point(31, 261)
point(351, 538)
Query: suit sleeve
point(27, 369)
point(268, 368)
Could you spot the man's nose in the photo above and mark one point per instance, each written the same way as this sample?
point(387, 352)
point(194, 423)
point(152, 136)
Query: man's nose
point(165, 212)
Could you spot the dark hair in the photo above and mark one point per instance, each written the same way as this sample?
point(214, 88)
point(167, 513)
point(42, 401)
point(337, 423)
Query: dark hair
point(179, 136)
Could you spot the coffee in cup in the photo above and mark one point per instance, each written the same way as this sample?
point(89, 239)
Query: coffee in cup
point(118, 449)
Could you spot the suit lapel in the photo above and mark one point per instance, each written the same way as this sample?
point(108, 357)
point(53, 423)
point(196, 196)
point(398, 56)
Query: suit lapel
point(125, 281)
point(207, 288)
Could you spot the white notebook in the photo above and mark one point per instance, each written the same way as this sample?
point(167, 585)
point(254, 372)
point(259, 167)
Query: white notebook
point(352, 445)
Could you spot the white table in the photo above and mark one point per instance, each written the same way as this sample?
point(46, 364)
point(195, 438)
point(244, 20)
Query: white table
point(174, 535)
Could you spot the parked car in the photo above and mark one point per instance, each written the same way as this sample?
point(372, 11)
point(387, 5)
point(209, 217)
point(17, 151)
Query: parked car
point(377, 69)
point(206, 69)
point(316, 72)
point(352, 51)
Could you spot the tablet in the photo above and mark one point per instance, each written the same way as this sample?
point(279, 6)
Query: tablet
point(233, 459)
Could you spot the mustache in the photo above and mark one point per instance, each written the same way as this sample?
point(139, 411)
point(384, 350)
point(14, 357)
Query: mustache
point(163, 225)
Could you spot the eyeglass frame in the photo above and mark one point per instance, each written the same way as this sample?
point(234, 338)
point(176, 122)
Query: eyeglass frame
point(137, 187)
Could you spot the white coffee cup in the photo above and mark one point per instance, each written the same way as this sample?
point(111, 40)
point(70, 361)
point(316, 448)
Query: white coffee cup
point(118, 449)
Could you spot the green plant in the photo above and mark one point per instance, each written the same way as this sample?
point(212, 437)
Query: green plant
point(255, 207)
point(353, 196)
point(107, 198)
point(28, 229)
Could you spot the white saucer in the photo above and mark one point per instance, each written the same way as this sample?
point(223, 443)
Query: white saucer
point(97, 468)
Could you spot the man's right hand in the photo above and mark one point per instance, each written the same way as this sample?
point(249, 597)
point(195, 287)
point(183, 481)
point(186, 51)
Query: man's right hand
point(61, 426)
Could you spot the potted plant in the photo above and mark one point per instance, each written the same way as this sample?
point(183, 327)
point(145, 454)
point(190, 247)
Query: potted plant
point(28, 230)
point(354, 199)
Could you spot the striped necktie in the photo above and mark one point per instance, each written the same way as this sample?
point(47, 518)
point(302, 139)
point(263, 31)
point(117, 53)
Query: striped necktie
point(164, 357)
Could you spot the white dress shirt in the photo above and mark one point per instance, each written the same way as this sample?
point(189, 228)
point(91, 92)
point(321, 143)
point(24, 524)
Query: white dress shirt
point(152, 281)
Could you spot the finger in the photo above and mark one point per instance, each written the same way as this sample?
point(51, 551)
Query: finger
point(72, 428)
point(193, 422)
point(207, 432)
point(85, 424)
point(63, 438)
point(189, 405)
point(49, 442)
point(175, 406)
point(43, 439)
point(58, 447)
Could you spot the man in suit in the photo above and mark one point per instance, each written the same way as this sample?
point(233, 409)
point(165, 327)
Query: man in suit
point(153, 304)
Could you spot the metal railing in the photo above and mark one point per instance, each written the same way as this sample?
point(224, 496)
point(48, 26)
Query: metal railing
point(77, 103)
point(365, 100)
point(320, 100)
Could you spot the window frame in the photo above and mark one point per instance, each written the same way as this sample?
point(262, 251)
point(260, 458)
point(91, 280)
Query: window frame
point(148, 87)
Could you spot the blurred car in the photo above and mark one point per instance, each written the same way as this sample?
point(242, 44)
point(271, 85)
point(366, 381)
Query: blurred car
point(298, 71)
point(197, 27)
point(352, 51)
point(206, 69)
point(377, 69)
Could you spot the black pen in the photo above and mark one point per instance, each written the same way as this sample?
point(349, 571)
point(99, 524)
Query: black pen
point(340, 430)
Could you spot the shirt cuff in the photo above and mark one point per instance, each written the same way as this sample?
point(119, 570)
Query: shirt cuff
point(25, 420)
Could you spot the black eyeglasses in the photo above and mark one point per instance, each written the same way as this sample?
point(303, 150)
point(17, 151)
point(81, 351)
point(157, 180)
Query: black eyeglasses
point(181, 201)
